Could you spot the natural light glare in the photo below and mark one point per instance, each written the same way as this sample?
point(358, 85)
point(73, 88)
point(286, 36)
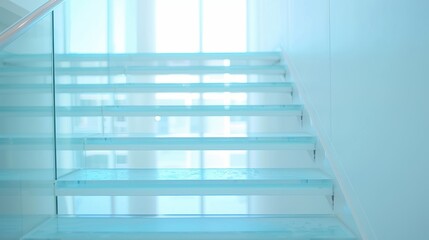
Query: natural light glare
point(178, 30)
point(83, 32)
point(177, 26)
point(119, 32)
point(225, 26)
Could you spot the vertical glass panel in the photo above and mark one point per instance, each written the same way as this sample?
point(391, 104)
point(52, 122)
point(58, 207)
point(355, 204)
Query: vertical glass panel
point(26, 131)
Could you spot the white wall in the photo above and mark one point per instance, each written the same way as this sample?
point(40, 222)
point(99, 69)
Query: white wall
point(363, 66)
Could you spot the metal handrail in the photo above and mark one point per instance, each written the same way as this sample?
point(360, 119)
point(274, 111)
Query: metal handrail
point(14, 31)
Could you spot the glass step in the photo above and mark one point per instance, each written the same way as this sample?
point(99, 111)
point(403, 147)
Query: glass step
point(187, 143)
point(284, 87)
point(175, 87)
point(207, 110)
point(139, 57)
point(132, 142)
point(144, 70)
point(238, 227)
point(191, 181)
point(121, 57)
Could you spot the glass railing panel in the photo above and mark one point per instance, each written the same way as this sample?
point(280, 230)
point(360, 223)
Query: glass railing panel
point(11, 11)
point(27, 170)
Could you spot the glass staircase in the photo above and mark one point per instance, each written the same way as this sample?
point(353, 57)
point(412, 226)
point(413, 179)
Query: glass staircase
point(166, 146)
point(272, 179)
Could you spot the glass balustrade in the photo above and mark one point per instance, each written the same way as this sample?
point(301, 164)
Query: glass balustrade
point(27, 148)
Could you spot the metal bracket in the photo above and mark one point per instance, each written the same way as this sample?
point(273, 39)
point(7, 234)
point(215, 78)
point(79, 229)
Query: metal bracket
point(312, 153)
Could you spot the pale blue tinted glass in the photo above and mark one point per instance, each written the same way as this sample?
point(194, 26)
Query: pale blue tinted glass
point(12, 11)
point(27, 140)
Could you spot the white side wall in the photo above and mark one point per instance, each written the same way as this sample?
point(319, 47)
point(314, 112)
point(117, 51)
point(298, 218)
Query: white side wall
point(363, 66)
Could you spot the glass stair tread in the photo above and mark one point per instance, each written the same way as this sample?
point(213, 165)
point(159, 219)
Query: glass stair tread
point(137, 142)
point(224, 181)
point(198, 110)
point(192, 227)
point(124, 57)
point(207, 110)
point(152, 87)
point(145, 70)
point(197, 174)
point(176, 87)
point(284, 87)
point(188, 143)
